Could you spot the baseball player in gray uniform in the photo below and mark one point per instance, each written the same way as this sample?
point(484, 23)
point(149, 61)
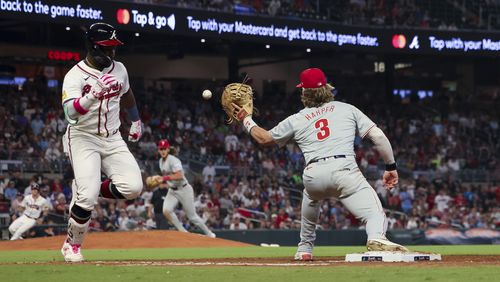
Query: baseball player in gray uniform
point(179, 190)
point(325, 130)
point(94, 90)
point(33, 206)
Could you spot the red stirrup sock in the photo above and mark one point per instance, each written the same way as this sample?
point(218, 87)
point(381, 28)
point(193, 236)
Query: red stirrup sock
point(109, 191)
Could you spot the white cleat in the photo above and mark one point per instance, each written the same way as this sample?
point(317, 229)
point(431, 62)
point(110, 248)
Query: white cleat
point(212, 235)
point(384, 245)
point(303, 256)
point(71, 252)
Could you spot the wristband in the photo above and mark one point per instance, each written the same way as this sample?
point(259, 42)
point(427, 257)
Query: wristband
point(78, 107)
point(166, 178)
point(248, 123)
point(391, 167)
point(133, 113)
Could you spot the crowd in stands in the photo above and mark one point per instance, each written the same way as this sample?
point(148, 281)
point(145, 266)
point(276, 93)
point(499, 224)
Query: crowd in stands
point(262, 188)
point(450, 15)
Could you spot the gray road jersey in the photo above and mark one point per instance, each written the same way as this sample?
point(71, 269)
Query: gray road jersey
point(324, 131)
point(171, 165)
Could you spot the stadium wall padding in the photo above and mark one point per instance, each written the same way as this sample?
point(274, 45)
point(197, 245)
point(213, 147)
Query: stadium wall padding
point(352, 237)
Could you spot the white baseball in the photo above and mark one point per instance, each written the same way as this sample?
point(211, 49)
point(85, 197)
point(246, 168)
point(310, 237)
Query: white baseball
point(207, 94)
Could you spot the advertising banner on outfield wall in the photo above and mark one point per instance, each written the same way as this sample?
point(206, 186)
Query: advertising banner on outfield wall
point(268, 30)
point(448, 236)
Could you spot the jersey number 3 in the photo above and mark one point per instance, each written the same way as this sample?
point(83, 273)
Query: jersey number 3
point(324, 130)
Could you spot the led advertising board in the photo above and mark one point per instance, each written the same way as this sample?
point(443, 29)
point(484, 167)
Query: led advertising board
point(268, 30)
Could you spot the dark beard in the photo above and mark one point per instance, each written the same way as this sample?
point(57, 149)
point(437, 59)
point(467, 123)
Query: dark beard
point(98, 58)
point(101, 61)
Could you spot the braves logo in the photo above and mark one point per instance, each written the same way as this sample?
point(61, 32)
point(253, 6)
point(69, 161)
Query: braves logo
point(86, 89)
point(113, 35)
point(114, 90)
point(115, 87)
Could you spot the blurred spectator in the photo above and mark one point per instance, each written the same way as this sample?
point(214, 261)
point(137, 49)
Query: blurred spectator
point(236, 223)
point(208, 170)
point(442, 201)
point(406, 200)
point(123, 221)
point(52, 153)
point(37, 125)
point(10, 192)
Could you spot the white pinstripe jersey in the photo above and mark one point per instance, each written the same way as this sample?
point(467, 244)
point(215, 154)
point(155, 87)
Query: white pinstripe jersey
point(33, 208)
point(103, 117)
point(323, 131)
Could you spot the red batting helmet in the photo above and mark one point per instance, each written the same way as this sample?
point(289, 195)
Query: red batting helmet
point(312, 78)
point(163, 144)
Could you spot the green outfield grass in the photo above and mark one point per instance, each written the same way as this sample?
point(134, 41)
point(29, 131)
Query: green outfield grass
point(234, 252)
point(10, 271)
point(262, 274)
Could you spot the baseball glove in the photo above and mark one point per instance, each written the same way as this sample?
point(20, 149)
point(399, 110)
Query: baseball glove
point(241, 95)
point(154, 181)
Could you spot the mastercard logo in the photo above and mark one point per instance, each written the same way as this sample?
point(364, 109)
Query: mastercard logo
point(122, 16)
point(398, 41)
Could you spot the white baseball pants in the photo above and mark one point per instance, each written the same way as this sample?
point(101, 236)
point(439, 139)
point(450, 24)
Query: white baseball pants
point(21, 225)
point(90, 154)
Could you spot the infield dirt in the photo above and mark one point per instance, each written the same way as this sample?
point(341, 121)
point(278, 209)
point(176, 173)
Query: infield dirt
point(124, 240)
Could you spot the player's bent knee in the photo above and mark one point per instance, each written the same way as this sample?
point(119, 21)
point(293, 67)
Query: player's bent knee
point(86, 201)
point(133, 189)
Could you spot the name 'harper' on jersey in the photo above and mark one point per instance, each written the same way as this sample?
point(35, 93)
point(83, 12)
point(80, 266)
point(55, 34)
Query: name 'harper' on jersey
point(319, 111)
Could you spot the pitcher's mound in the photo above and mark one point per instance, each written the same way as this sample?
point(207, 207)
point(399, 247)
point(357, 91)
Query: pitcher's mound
point(125, 240)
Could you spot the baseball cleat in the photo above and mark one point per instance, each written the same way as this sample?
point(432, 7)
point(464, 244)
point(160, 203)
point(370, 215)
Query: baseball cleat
point(71, 252)
point(212, 235)
point(384, 245)
point(304, 256)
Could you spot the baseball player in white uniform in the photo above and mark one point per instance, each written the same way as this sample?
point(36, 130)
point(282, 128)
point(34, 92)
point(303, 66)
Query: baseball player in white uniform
point(33, 205)
point(179, 190)
point(93, 92)
point(325, 130)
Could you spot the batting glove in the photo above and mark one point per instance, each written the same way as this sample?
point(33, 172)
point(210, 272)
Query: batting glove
point(103, 85)
point(135, 131)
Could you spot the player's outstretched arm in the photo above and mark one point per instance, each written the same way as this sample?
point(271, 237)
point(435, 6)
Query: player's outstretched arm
point(383, 146)
point(259, 134)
